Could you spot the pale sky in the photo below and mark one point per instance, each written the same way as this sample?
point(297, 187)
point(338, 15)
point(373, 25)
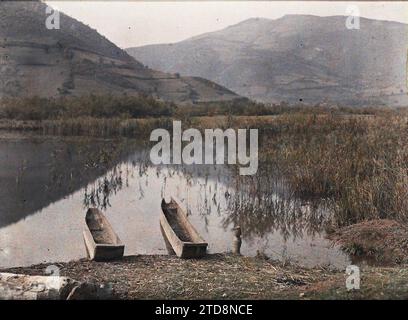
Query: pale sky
point(136, 23)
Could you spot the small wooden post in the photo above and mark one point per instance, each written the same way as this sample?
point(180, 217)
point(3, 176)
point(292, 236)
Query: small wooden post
point(237, 241)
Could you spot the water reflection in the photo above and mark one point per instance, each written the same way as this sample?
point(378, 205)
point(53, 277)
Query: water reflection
point(118, 178)
point(35, 172)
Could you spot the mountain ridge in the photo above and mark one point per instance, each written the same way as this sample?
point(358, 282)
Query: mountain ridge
point(295, 58)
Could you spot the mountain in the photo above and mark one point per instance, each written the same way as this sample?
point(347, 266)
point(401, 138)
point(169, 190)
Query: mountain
point(295, 58)
point(76, 60)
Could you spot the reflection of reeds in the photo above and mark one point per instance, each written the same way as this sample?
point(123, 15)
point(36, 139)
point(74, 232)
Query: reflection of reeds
point(263, 204)
point(98, 194)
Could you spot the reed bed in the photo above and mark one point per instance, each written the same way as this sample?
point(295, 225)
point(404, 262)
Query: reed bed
point(360, 164)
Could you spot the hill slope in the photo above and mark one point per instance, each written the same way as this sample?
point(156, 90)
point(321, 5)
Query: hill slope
point(296, 57)
point(76, 60)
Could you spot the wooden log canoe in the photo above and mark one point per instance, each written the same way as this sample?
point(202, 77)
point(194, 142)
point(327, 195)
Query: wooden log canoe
point(179, 232)
point(101, 241)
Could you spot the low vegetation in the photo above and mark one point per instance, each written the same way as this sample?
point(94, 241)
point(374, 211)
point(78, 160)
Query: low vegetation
point(131, 107)
point(92, 106)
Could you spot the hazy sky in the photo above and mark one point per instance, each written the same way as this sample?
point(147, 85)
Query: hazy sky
point(135, 23)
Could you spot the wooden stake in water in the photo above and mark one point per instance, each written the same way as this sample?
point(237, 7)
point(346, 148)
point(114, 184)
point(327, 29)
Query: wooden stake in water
point(237, 241)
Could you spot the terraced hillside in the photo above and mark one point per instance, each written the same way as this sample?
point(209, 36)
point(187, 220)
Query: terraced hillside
point(76, 60)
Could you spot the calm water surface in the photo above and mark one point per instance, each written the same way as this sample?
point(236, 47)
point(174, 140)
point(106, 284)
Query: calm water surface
point(47, 184)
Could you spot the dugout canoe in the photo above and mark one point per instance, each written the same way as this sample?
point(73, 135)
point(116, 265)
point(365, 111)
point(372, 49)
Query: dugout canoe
point(101, 241)
point(179, 232)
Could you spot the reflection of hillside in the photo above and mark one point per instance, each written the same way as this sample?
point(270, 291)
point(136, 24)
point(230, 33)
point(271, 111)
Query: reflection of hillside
point(35, 173)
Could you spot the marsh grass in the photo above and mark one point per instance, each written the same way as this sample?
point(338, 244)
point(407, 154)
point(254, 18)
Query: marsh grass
point(355, 164)
point(360, 164)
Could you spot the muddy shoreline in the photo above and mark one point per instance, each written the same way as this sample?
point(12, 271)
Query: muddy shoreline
point(225, 276)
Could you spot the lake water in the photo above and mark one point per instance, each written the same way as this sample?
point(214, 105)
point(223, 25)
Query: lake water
point(48, 183)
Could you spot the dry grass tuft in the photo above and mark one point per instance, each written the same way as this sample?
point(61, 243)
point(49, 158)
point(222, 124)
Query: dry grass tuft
point(375, 241)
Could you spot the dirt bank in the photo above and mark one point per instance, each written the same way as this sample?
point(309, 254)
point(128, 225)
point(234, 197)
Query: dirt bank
point(222, 276)
point(165, 277)
point(378, 242)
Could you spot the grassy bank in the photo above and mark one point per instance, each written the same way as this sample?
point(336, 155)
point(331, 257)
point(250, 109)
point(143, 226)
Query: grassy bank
point(227, 277)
